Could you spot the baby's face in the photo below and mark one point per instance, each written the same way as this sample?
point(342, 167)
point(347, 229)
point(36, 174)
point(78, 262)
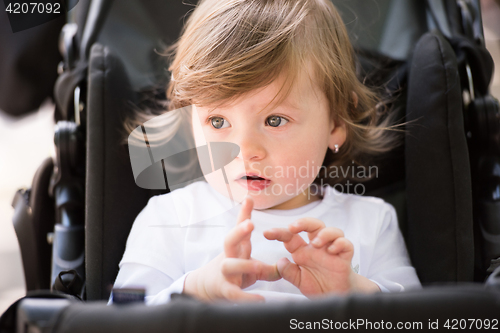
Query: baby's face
point(284, 146)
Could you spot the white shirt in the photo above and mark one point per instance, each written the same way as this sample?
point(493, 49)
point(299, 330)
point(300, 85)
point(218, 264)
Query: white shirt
point(181, 231)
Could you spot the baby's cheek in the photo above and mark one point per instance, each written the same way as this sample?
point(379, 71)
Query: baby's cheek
point(306, 168)
point(232, 190)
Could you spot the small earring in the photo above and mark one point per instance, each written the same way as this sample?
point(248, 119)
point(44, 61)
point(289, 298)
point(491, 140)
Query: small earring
point(336, 149)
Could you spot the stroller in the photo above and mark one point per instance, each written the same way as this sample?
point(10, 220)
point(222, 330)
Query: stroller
point(443, 181)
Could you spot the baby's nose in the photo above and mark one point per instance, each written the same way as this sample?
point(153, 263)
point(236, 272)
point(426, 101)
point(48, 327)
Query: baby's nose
point(251, 149)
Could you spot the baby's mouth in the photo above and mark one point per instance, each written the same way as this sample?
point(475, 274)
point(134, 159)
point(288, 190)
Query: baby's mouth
point(253, 178)
point(253, 182)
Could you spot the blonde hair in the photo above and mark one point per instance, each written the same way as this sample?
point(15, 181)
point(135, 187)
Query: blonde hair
point(229, 48)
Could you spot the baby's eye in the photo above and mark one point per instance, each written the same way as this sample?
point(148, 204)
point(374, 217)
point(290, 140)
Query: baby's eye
point(276, 121)
point(219, 122)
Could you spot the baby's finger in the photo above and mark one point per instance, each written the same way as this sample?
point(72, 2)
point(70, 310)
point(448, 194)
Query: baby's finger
point(246, 210)
point(239, 233)
point(267, 272)
point(281, 234)
point(326, 235)
point(309, 224)
point(291, 241)
point(263, 271)
point(233, 293)
point(232, 266)
point(289, 271)
point(343, 247)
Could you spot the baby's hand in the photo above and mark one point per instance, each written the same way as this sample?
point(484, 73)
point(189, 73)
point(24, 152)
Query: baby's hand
point(234, 269)
point(322, 266)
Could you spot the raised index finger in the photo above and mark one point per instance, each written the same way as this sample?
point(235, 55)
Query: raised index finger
point(246, 210)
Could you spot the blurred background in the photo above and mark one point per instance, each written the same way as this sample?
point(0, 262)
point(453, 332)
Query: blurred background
point(25, 141)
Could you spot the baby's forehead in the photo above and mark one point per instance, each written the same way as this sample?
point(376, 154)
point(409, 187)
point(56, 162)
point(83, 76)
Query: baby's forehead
point(295, 94)
point(303, 92)
point(294, 88)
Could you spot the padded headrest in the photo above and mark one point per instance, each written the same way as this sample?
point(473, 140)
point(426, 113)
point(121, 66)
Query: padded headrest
point(113, 200)
point(438, 175)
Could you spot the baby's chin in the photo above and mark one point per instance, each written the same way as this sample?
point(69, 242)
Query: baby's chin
point(265, 203)
point(262, 202)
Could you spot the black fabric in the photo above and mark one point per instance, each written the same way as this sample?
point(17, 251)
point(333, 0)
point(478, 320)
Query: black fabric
point(28, 65)
point(153, 25)
point(438, 176)
point(113, 200)
point(188, 315)
point(479, 60)
point(453, 16)
point(25, 233)
point(389, 78)
point(76, 75)
point(33, 219)
point(64, 90)
point(42, 205)
point(81, 13)
point(8, 320)
point(96, 16)
point(69, 282)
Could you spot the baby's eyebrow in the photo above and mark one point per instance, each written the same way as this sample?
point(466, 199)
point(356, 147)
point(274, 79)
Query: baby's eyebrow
point(291, 105)
point(285, 104)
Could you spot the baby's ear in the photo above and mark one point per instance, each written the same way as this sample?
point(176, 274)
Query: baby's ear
point(338, 134)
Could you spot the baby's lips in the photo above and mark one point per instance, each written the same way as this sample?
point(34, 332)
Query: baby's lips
point(250, 174)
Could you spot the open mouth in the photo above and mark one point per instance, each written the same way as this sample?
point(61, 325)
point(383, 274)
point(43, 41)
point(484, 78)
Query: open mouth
point(253, 178)
point(253, 182)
